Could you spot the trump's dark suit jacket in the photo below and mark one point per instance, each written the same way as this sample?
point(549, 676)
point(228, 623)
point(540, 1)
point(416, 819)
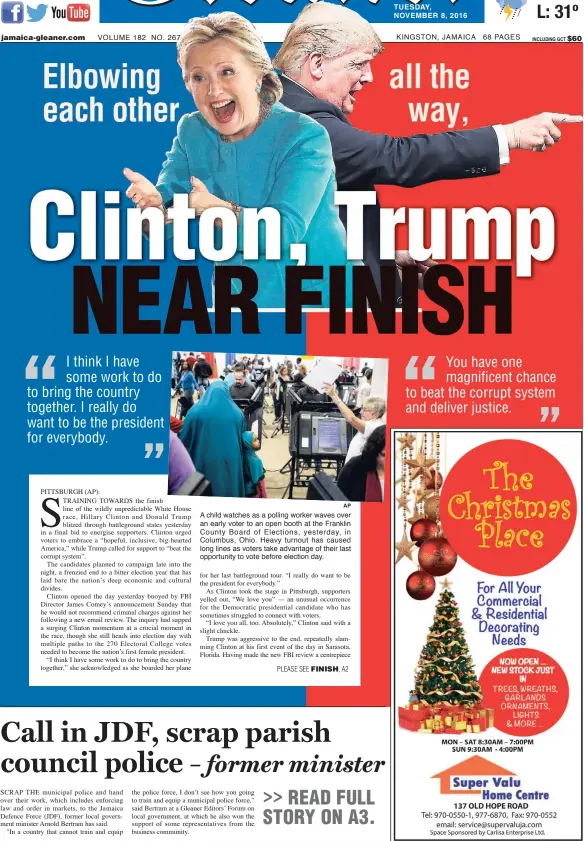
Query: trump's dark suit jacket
point(363, 160)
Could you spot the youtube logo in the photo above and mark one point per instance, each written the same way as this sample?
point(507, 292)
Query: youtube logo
point(78, 12)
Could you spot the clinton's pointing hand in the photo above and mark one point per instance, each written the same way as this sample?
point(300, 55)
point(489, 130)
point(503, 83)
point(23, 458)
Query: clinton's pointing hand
point(142, 192)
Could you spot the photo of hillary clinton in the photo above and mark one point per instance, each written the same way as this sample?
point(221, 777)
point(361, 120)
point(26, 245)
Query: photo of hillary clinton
point(242, 148)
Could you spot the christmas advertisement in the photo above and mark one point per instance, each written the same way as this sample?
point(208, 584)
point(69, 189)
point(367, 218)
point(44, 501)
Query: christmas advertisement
point(487, 624)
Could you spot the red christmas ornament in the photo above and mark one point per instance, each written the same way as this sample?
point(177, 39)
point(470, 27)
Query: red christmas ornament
point(433, 482)
point(420, 585)
point(436, 556)
point(423, 530)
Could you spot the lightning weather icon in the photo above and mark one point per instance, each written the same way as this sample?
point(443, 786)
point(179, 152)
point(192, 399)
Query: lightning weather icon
point(511, 8)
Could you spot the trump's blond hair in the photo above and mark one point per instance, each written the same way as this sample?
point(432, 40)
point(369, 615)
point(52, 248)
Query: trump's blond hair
point(328, 30)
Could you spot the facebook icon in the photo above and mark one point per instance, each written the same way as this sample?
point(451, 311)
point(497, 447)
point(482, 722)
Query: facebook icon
point(12, 12)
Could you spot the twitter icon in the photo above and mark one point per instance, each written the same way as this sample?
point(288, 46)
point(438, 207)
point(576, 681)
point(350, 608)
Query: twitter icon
point(35, 15)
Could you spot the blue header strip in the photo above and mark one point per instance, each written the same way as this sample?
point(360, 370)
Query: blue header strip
point(285, 11)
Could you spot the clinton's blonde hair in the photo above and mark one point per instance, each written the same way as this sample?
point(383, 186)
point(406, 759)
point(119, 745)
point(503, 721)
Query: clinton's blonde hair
point(242, 34)
point(326, 29)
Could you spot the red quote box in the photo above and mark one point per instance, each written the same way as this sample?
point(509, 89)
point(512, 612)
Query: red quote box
point(527, 689)
point(547, 308)
point(508, 507)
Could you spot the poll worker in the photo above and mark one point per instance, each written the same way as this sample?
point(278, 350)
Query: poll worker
point(372, 414)
point(325, 60)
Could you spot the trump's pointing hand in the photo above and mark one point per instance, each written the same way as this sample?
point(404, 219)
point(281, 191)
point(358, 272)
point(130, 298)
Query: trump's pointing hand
point(535, 134)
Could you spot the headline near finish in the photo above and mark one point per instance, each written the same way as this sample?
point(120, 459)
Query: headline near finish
point(522, 237)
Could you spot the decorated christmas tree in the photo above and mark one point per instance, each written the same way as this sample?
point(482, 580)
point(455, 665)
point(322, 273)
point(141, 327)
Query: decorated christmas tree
point(445, 673)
